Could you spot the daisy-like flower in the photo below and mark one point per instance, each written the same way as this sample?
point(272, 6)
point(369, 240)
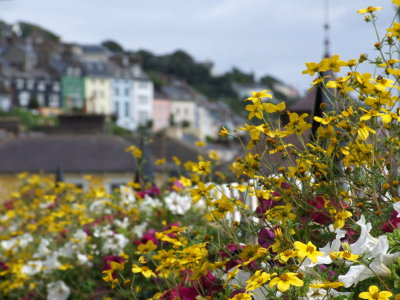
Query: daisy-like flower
point(307, 250)
point(285, 280)
point(146, 272)
point(258, 280)
point(374, 294)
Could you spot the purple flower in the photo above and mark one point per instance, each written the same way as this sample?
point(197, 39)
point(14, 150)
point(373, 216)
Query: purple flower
point(266, 237)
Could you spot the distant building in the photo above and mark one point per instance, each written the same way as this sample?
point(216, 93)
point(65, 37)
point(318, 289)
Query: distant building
point(132, 93)
point(73, 88)
point(97, 83)
point(101, 157)
point(162, 110)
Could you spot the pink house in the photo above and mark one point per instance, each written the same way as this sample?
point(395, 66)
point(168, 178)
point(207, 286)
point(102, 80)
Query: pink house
point(162, 109)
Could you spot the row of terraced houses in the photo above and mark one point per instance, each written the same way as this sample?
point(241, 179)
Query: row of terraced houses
point(38, 71)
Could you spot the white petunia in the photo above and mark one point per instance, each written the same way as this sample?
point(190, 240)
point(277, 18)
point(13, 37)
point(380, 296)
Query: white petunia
point(178, 203)
point(58, 291)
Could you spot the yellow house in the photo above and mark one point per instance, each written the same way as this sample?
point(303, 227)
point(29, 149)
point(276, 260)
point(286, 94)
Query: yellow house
point(97, 86)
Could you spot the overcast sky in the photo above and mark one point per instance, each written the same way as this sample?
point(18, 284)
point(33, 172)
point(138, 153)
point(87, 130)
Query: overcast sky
point(262, 36)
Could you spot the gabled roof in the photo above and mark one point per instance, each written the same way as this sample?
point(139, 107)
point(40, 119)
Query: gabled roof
point(76, 154)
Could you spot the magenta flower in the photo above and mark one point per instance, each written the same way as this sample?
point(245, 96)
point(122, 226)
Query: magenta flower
point(266, 237)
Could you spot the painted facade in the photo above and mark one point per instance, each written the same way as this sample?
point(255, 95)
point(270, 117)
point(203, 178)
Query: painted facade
point(73, 89)
point(162, 110)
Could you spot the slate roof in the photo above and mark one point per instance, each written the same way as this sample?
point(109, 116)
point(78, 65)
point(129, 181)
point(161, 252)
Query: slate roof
point(76, 154)
point(94, 49)
point(100, 69)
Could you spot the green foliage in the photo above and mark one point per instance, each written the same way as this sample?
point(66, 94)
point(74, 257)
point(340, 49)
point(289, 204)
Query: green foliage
point(114, 129)
point(236, 75)
point(28, 29)
point(113, 46)
point(27, 118)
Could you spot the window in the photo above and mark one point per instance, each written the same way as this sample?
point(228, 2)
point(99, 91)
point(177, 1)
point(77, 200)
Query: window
point(143, 117)
point(126, 109)
point(20, 84)
point(56, 87)
point(30, 84)
point(127, 92)
point(40, 98)
point(23, 99)
point(41, 86)
point(116, 108)
point(186, 111)
point(143, 99)
point(143, 85)
point(54, 100)
point(177, 111)
point(116, 92)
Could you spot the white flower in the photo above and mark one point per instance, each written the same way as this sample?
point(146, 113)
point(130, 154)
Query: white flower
point(366, 242)
point(43, 249)
point(115, 243)
point(58, 291)
point(373, 248)
point(22, 241)
point(32, 267)
point(139, 229)
point(122, 224)
point(177, 203)
point(127, 194)
point(51, 263)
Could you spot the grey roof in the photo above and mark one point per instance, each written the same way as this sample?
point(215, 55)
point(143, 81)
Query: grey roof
point(94, 49)
point(78, 154)
point(100, 69)
point(176, 93)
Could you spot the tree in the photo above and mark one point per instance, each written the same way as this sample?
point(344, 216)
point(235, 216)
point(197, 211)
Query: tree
point(113, 46)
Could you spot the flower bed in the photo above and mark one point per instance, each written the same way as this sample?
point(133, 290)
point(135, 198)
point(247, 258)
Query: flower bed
point(324, 224)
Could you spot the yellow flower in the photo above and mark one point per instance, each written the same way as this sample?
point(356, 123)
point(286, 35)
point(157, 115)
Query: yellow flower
point(146, 248)
point(146, 272)
point(286, 255)
point(363, 132)
point(242, 296)
point(202, 191)
point(200, 144)
point(348, 255)
point(203, 168)
point(272, 108)
point(333, 63)
point(223, 131)
point(369, 9)
point(185, 181)
point(340, 218)
point(255, 109)
point(395, 30)
point(327, 285)
point(160, 161)
point(136, 152)
point(308, 250)
point(258, 280)
point(258, 95)
point(374, 294)
point(285, 280)
point(312, 68)
point(177, 161)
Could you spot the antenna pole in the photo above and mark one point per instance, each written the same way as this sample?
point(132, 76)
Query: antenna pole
point(326, 28)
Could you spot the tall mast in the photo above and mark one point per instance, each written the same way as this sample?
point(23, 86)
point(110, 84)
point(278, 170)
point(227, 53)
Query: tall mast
point(326, 28)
